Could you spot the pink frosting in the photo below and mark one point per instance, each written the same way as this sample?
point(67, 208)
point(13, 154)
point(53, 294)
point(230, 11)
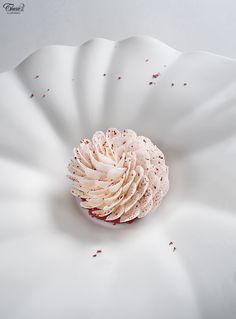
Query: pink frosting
point(118, 175)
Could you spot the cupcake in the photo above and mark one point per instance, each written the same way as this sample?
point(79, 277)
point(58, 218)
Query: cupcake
point(118, 176)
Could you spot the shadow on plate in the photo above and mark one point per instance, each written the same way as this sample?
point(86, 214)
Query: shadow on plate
point(72, 220)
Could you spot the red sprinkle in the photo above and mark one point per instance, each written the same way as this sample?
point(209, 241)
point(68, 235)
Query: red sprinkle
point(94, 255)
point(98, 251)
point(32, 95)
point(170, 243)
point(174, 249)
point(155, 75)
point(150, 83)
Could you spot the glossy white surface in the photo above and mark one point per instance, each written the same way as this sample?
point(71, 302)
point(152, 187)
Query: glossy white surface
point(47, 269)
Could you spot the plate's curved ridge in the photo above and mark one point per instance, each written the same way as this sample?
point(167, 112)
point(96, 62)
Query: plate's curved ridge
point(185, 102)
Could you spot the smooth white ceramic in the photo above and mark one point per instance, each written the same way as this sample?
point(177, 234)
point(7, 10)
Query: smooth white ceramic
point(47, 270)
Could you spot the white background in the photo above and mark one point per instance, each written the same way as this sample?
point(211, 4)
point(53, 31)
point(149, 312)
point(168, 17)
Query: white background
point(187, 25)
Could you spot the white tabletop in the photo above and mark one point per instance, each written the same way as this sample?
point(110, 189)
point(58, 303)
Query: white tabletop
point(184, 24)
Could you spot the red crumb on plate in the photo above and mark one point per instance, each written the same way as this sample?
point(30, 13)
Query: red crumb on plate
point(155, 75)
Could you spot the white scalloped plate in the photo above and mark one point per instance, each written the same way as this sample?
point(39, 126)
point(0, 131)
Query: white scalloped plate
point(47, 269)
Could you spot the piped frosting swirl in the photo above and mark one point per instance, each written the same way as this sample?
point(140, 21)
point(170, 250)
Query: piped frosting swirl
point(118, 175)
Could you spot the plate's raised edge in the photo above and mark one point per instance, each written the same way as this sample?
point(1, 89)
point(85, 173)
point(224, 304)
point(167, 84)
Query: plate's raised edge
point(138, 37)
point(218, 56)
